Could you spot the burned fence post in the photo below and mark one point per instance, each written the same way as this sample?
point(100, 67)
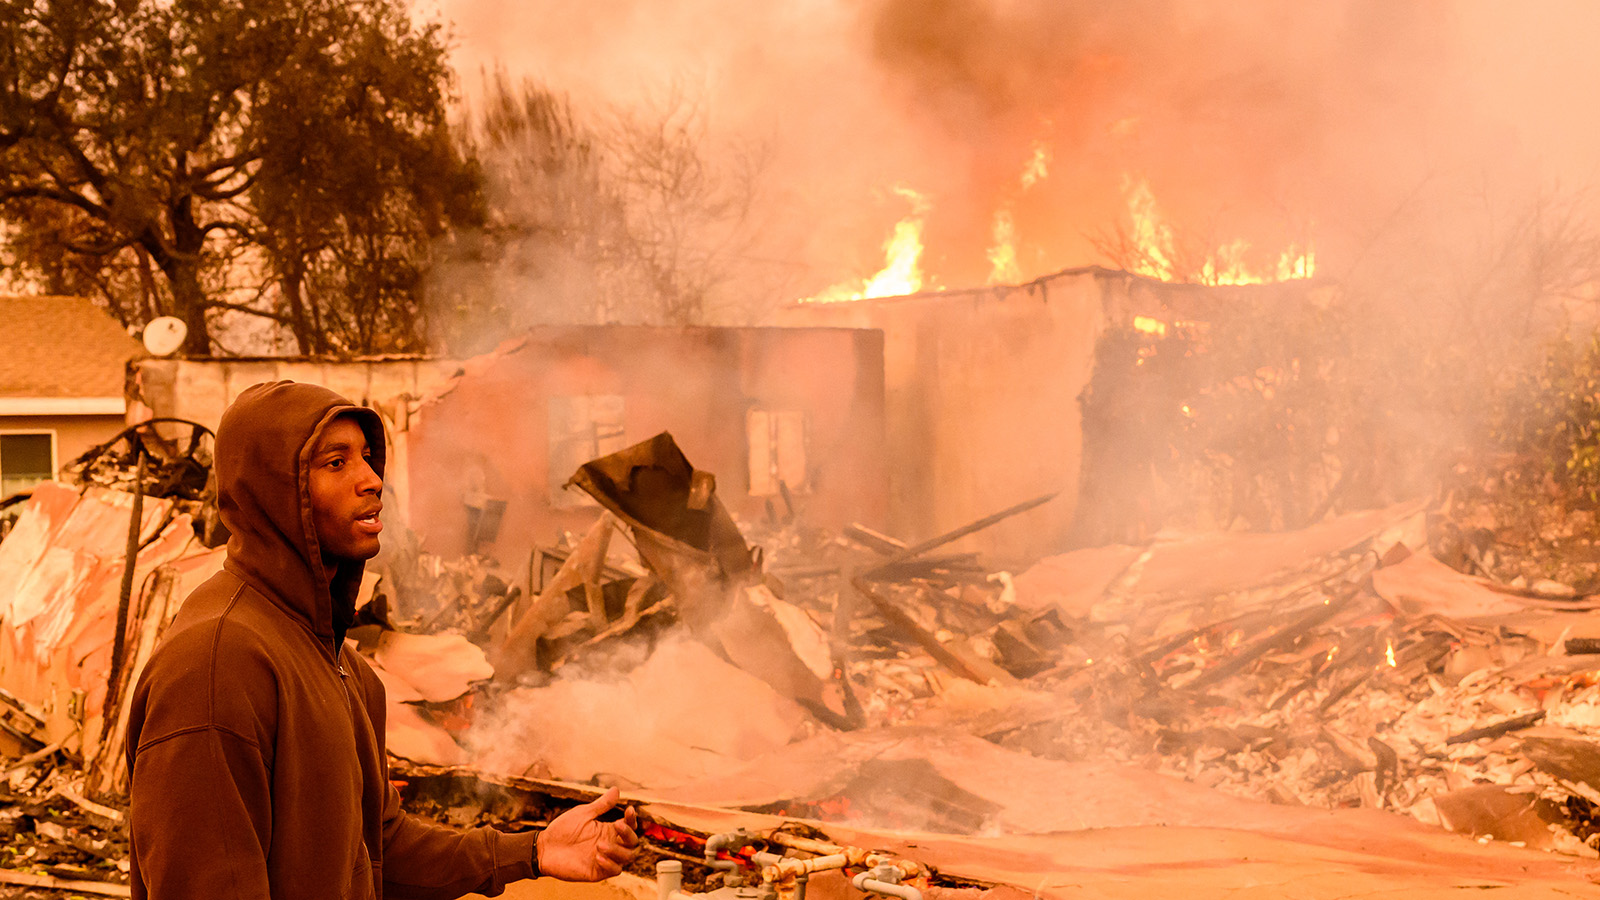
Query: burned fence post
point(108, 772)
point(135, 527)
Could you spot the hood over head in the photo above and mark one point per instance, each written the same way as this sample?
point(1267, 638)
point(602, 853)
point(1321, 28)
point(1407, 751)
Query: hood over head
point(263, 451)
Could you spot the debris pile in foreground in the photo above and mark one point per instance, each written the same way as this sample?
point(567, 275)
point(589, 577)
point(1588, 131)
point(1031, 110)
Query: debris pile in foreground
point(54, 838)
point(780, 672)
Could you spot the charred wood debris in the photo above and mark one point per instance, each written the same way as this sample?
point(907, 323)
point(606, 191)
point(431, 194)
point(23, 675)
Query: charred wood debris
point(1313, 686)
point(55, 840)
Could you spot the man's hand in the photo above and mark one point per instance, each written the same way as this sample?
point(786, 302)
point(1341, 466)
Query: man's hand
point(579, 847)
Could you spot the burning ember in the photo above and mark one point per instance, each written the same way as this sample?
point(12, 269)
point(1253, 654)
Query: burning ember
point(1150, 326)
point(902, 267)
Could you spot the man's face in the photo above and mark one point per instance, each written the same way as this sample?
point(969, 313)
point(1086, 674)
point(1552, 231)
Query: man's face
point(345, 492)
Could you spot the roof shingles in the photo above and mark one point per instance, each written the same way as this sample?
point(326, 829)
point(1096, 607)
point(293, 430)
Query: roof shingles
point(61, 347)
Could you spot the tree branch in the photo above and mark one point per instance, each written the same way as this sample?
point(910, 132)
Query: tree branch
point(106, 248)
point(205, 173)
point(214, 192)
point(64, 128)
point(237, 228)
point(278, 317)
point(59, 195)
point(212, 188)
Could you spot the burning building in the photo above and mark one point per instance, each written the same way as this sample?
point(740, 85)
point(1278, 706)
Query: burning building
point(990, 400)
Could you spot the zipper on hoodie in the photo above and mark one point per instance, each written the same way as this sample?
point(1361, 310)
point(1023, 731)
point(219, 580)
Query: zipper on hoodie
point(344, 687)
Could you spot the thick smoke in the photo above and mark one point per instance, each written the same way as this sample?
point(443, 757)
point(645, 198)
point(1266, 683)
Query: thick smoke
point(1262, 121)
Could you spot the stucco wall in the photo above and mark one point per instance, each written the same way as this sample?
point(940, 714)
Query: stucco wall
point(982, 407)
point(982, 392)
point(200, 389)
point(488, 431)
point(74, 434)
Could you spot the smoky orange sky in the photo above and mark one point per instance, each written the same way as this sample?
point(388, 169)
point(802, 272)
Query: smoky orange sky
point(1264, 121)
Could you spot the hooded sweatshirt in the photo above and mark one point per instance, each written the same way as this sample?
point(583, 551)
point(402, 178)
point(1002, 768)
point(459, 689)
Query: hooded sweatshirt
point(256, 738)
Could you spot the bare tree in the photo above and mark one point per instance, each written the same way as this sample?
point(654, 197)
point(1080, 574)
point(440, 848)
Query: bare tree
point(686, 219)
point(631, 218)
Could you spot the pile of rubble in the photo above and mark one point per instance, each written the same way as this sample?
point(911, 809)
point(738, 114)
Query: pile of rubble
point(1340, 666)
point(851, 677)
point(54, 838)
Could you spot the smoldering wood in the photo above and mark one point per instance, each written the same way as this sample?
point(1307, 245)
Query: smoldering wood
point(518, 653)
point(1358, 651)
point(938, 541)
point(31, 759)
point(633, 609)
point(480, 632)
point(1281, 638)
point(957, 658)
point(873, 540)
point(1516, 723)
point(70, 885)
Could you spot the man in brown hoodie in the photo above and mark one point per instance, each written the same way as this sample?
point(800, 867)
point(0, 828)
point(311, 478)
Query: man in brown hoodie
point(256, 738)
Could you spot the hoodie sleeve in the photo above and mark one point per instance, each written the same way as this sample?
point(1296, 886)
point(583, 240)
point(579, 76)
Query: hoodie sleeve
point(425, 861)
point(200, 797)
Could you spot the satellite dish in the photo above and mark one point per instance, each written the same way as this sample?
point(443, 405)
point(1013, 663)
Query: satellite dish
point(164, 335)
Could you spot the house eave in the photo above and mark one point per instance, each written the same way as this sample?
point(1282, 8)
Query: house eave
point(63, 406)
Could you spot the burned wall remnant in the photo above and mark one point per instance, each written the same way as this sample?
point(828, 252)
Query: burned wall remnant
point(981, 390)
point(985, 392)
point(782, 415)
point(200, 389)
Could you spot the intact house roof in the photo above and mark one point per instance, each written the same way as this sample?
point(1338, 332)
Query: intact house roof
point(61, 355)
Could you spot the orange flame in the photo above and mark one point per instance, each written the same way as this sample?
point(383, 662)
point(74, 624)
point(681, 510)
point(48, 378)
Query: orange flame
point(1155, 249)
point(1003, 267)
point(1151, 236)
point(1150, 326)
point(1038, 166)
point(902, 253)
